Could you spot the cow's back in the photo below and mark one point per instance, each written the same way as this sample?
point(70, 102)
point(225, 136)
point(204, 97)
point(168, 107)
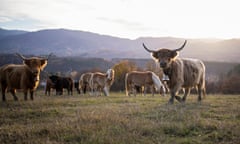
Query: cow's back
point(140, 78)
point(86, 77)
point(16, 76)
point(194, 72)
point(99, 78)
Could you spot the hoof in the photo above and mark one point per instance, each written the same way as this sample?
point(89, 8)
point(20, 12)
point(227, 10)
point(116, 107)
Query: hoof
point(170, 101)
point(179, 99)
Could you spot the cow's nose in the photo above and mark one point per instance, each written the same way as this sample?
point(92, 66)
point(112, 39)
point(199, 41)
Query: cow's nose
point(35, 73)
point(163, 64)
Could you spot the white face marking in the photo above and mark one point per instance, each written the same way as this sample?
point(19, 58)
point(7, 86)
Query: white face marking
point(109, 74)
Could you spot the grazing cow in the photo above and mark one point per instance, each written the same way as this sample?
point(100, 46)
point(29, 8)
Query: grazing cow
point(102, 82)
point(24, 76)
point(142, 79)
point(62, 82)
point(84, 82)
point(182, 72)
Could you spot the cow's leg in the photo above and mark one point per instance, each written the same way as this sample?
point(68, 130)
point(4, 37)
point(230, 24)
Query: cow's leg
point(142, 90)
point(68, 91)
point(61, 91)
point(171, 100)
point(177, 89)
point(200, 90)
point(152, 89)
point(31, 94)
point(85, 88)
point(173, 92)
point(3, 92)
point(13, 92)
point(25, 95)
point(131, 90)
point(126, 90)
point(186, 93)
point(106, 91)
point(134, 91)
point(178, 98)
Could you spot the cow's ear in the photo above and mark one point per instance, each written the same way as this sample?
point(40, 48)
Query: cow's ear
point(174, 54)
point(154, 55)
point(43, 64)
point(27, 62)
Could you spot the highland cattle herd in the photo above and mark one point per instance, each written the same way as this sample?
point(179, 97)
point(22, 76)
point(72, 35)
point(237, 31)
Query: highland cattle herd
point(181, 73)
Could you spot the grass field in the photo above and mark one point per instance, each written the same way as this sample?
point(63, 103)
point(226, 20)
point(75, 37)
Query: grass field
point(120, 119)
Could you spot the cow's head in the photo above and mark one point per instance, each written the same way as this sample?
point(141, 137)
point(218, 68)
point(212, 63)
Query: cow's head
point(54, 79)
point(110, 74)
point(164, 56)
point(35, 65)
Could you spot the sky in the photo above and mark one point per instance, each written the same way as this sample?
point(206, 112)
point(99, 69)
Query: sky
point(127, 18)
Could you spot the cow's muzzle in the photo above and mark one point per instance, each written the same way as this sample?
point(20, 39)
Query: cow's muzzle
point(163, 64)
point(36, 76)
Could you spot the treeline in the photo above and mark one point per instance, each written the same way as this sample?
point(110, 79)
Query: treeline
point(228, 83)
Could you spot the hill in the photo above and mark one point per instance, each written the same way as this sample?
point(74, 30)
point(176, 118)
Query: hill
point(63, 42)
point(5, 33)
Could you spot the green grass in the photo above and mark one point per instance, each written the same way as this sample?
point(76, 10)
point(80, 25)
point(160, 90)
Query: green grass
point(120, 119)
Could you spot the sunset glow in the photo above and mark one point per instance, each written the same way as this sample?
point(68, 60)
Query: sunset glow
point(126, 18)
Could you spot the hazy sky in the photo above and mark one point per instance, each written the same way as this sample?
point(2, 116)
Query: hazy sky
point(127, 18)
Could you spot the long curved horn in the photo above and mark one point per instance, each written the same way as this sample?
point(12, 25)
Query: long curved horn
point(148, 49)
point(22, 57)
point(49, 56)
point(181, 46)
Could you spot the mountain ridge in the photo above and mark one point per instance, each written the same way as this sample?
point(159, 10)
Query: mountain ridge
point(64, 42)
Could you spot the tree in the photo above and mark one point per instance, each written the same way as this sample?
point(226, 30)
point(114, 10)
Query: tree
point(231, 83)
point(121, 69)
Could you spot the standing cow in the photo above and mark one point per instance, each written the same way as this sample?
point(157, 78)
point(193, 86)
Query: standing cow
point(135, 79)
point(182, 72)
point(24, 76)
point(84, 82)
point(102, 82)
point(62, 82)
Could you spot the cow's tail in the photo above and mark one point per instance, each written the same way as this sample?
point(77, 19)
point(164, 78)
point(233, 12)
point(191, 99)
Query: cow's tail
point(204, 81)
point(157, 83)
point(126, 84)
point(80, 84)
point(91, 84)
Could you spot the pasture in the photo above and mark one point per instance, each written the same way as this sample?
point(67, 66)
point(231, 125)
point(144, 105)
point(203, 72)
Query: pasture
point(120, 119)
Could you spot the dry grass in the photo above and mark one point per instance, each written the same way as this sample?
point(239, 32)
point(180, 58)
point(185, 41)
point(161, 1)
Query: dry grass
point(120, 119)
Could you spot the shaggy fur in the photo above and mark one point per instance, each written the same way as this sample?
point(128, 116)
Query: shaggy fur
point(84, 82)
point(62, 82)
point(182, 72)
point(25, 76)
